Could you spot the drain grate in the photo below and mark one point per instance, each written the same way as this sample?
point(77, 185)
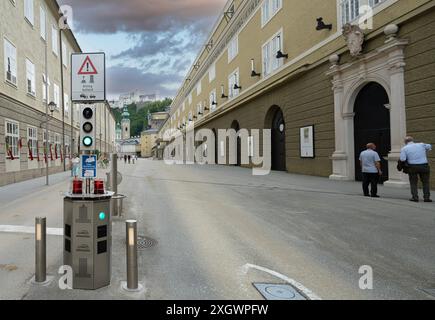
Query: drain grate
point(278, 291)
point(144, 242)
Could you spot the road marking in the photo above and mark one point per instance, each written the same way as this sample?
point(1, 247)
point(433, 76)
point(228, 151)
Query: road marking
point(29, 230)
point(307, 292)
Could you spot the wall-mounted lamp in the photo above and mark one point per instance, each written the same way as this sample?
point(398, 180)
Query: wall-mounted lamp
point(195, 117)
point(253, 72)
point(280, 54)
point(322, 26)
point(237, 87)
point(214, 103)
point(224, 96)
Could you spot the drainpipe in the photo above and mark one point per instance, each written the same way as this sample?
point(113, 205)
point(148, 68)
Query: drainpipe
point(62, 95)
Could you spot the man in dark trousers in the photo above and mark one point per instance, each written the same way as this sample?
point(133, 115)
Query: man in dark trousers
point(371, 169)
point(415, 154)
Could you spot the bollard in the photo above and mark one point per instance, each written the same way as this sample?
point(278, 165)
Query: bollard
point(114, 174)
point(40, 250)
point(132, 272)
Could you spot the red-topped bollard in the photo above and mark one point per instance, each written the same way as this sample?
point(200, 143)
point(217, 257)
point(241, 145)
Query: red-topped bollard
point(98, 187)
point(77, 186)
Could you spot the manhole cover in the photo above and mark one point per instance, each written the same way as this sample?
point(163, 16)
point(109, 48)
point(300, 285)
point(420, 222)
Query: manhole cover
point(278, 291)
point(145, 242)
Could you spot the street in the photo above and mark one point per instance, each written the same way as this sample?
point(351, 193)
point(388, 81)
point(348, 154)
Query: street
point(216, 230)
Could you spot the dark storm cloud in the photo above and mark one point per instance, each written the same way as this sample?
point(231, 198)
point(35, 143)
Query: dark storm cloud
point(122, 79)
point(110, 16)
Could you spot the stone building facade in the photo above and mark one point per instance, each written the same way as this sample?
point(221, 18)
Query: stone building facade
point(359, 81)
point(31, 33)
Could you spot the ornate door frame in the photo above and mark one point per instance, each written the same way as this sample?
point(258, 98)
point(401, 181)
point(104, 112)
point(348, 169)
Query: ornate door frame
point(386, 66)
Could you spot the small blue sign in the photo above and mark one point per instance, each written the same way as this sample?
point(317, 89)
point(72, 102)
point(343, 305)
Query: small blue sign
point(89, 166)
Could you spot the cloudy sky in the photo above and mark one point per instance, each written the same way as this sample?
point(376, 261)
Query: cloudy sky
point(149, 44)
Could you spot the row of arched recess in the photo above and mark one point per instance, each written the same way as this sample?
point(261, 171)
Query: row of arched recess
point(371, 123)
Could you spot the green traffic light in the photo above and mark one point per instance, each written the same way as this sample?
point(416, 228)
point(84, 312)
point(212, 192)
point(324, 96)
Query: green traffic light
point(87, 141)
point(102, 216)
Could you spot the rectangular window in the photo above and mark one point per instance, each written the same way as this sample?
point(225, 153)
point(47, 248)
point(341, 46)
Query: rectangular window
point(66, 104)
point(212, 100)
point(28, 11)
point(43, 22)
point(233, 49)
point(12, 137)
point(64, 54)
point(269, 9)
point(54, 40)
point(10, 62)
point(30, 77)
point(32, 137)
point(199, 88)
point(270, 50)
point(190, 98)
point(212, 73)
point(351, 9)
point(56, 97)
point(233, 81)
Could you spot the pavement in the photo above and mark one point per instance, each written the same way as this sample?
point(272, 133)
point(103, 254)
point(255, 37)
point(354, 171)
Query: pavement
point(219, 229)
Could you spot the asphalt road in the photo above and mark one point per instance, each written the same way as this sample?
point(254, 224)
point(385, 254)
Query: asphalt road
point(220, 229)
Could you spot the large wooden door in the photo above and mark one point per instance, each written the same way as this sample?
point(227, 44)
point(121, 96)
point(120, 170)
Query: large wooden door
point(372, 124)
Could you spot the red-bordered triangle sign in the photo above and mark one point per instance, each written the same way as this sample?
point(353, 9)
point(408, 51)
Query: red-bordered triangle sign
point(88, 67)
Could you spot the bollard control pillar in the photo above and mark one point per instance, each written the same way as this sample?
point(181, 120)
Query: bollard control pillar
point(88, 239)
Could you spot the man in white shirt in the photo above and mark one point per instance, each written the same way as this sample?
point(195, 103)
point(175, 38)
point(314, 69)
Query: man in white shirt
point(415, 154)
point(371, 169)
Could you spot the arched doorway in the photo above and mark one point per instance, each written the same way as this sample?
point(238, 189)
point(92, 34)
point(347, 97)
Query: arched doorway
point(216, 146)
point(372, 124)
point(276, 122)
point(236, 126)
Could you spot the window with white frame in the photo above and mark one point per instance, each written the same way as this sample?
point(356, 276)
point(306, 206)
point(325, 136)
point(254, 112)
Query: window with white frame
point(199, 88)
point(28, 11)
point(212, 73)
point(200, 109)
point(10, 56)
point(56, 96)
point(64, 54)
point(32, 137)
point(269, 9)
point(270, 50)
point(57, 147)
point(66, 104)
point(212, 100)
point(30, 78)
point(43, 22)
point(233, 81)
point(45, 89)
point(190, 98)
point(351, 9)
point(54, 40)
point(233, 49)
point(12, 137)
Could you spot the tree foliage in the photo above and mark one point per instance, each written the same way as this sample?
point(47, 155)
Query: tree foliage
point(139, 114)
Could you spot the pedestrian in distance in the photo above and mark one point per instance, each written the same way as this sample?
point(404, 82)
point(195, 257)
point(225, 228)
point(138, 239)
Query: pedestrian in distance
point(371, 169)
point(129, 159)
point(125, 158)
point(414, 161)
point(75, 166)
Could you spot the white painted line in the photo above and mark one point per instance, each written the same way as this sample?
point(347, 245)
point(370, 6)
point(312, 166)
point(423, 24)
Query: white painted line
point(29, 230)
point(307, 292)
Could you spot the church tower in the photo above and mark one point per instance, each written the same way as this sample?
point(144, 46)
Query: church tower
point(125, 124)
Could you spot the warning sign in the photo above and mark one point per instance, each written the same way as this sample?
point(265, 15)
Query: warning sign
point(88, 67)
point(88, 80)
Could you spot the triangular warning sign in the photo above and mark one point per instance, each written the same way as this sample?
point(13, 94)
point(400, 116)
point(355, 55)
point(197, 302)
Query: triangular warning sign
point(88, 67)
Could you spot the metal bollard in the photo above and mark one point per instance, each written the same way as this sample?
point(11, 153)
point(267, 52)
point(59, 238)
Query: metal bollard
point(114, 174)
point(40, 250)
point(132, 272)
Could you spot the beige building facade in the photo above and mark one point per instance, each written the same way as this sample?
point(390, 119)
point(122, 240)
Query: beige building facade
point(31, 33)
point(267, 65)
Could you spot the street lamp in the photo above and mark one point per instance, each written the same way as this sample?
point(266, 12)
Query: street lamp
point(49, 107)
